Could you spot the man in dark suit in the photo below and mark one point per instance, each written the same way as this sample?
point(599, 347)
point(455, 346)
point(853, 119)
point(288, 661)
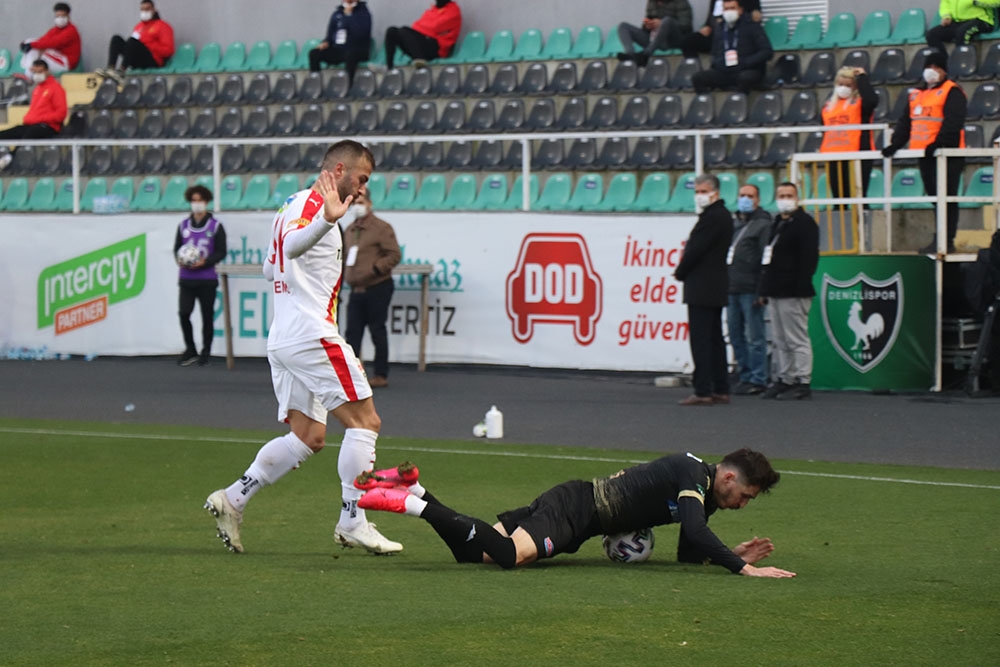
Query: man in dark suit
point(703, 271)
point(740, 51)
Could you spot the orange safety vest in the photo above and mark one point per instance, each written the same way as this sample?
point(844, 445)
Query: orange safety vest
point(843, 112)
point(927, 114)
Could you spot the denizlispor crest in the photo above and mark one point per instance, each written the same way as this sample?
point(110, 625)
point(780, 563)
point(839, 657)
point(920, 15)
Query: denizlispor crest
point(862, 317)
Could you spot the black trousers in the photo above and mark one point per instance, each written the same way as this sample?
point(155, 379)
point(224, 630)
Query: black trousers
point(959, 32)
point(370, 308)
point(708, 350)
point(928, 172)
point(335, 56)
point(410, 42)
point(694, 43)
point(839, 177)
point(39, 131)
point(202, 291)
point(710, 79)
point(133, 53)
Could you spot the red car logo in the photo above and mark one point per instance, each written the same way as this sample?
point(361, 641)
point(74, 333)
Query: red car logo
point(554, 282)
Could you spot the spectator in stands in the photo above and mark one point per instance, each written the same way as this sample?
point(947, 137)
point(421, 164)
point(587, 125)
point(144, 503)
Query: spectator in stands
point(853, 102)
point(432, 36)
point(149, 46)
point(59, 47)
point(700, 41)
point(372, 253)
point(666, 22)
point(745, 312)
point(740, 51)
point(702, 269)
point(786, 286)
point(962, 21)
point(348, 38)
point(936, 119)
point(46, 112)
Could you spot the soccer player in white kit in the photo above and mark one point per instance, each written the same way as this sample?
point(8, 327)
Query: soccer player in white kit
point(314, 371)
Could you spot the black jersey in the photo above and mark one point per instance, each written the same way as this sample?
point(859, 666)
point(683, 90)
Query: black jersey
point(671, 489)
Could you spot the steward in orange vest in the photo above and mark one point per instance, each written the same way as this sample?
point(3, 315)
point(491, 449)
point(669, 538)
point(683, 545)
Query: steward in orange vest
point(853, 102)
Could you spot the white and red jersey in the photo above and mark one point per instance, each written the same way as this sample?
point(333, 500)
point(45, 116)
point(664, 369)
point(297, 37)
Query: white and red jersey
point(305, 288)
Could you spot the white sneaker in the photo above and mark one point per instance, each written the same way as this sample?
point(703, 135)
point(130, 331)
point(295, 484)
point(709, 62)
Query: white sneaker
point(227, 520)
point(5, 160)
point(366, 537)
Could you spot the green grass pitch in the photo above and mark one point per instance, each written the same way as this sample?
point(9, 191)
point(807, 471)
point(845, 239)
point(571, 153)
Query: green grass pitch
point(107, 558)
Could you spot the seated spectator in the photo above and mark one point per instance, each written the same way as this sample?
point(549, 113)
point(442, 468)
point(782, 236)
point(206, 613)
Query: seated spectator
point(432, 36)
point(348, 38)
point(700, 41)
point(45, 114)
point(59, 47)
point(962, 21)
point(740, 51)
point(149, 46)
point(666, 22)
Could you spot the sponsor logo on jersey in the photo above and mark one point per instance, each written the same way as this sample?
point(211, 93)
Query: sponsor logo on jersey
point(554, 282)
point(549, 547)
point(862, 317)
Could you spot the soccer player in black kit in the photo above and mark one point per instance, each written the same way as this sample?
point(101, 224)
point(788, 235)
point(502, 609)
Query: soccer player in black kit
point(680, 488)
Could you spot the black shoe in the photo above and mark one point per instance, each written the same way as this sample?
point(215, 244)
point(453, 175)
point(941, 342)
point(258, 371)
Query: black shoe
point(625, 57)
point(189, 357)
point(775, 390)
point(641, 59)
point(749, 389)
point(796, 392)
point(204, 359)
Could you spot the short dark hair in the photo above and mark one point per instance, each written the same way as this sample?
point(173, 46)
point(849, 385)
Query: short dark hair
point(754, 467)
point(199, 190)
point(347, 149)
point(788, 184)
point(40, 63)
point(751, 185)
point(61, 7)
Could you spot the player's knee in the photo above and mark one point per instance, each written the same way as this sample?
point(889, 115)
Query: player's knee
point(316, 443)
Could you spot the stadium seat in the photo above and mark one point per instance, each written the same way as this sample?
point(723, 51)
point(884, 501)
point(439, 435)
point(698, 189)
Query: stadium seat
point(180, 160)
point(654, 194)
point(64, 196)
point(542, 116)
point(668, 112)
point(398, 157)
point(375, 187)
point(910, 27)
point(535, 80)
point(558, 45)
point(259, 57)
point(655, 75)
point(258, 158)
point(488, 155)
point(429, 157)
point(729, 187)
point(461, 194)
point(285, 187)
point(840, 31)
point(432, 193)
point(588, 43)
point(235, 58)
point(283, 91)
point(501, 48)
point(636, 114)
point(123, 187)
point(401, 193)
point(420, 83)
point(286, 158)
point(183, 60)
point(284, 56)
point(808, 33)
point(779, 150)
point(588, 193)
point(311, 120)
point(232, 192)
point(875, 30)
point(504, 80)
point(101, 125)
point(230, 124)
point(529, 45)
point(564, 79)
point(984, 102)
point(713, 150)
point(594, 77)
point(819, 72)
point(734, 111)
point(604, 115)
point(625, 78)
point(364, 85)
point(812, 142)
point(548, 154)
point(764, 180)
point(747, 149)
point(303, 60)
point(96, 187)
point(130, 93)
point(339, 120)
point(181, 92)
point(612, 44)
point(391, 84)
point(766, 110)
point(483, 117)
point(7, 64)
point(209, 58)
point(424, 118)
point(155, 94)
point(16, 197)
point(452, 117)
point(776, 29)
point(147, 195)
point(366, 119)
point(785, 72)
point(472, 49)
point(48, 161)
point(908, 183)
point(512, 116)
point(700, 112)
point(682, 199)
point(258, 91)
point(856, 58)
point(126, 160)
point(582, 154)
point(556, 193)
point(337, 85)
point(105, 96)
point(681, 78)
point(257, 195)
point(492, 194)
point(396, 118)
point(515, 198)
point(232, 159)
point(173, 194)
point(98, 161)
point(980, 185)
point(803, 109)
point(43, 195)
point(620, 195)
point(311, 89)
point(890, 67)
point(204, 124)
point(645, 154)
point(178, 124)
point(990, 67)
point(613, 154)
point(679, 153)
point(962, 62)
point(449, 83)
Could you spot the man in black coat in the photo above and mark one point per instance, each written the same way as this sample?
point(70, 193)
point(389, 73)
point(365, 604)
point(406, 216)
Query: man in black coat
point(740, 51)
point(787, 267)
point(703, 271)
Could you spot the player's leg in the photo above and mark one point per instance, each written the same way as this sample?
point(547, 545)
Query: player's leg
point(206, 302)
point(185, 307)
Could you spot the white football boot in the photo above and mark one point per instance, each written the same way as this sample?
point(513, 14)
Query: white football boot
point(367, 537)
point(227, 520)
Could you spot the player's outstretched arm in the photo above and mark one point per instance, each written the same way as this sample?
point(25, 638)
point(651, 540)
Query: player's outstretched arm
point(333, 208)
point(768, 572)
point(755, 550)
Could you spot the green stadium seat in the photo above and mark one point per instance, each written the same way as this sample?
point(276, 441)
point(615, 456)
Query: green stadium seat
point(875, 30)
point(776, 28)
point(908, 183)
point(285, 55)
point(980, 185)
point(401, 193)
point(64, 196)
point(654, 194)
point(16, 198)
point(911, 27)
point(257, 196)
point(729, 189)
point(764, 180)
point(620, 195)
point(876, 185)
point(588, 193)
point(235, 58)
point(492, 194)
point(462, 194)
point(431, 195)
point(123, 187)
point(43, 195)
point(515, 198)
point(612, 45)
point(7, 64)
point(558, 45)
point(556, 194)
point(303, 59)
point(147, 195)
point(206, 182)
point(375, 187)
point(209, 58)
point(96, 187)
point(472, 49)
point(173, 194)
point(501, 48)
point(588, 43)
point(529, 46)
point(682, 199)
point(808, 33)
point(288, 185)
point(259, 57)
point(232, 192)
point(182, 61)
point(840, 30)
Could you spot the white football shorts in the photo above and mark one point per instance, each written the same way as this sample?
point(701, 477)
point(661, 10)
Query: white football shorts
point(315, 378)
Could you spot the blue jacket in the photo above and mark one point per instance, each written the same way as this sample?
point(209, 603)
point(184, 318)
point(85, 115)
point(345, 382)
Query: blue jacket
point(358, 26)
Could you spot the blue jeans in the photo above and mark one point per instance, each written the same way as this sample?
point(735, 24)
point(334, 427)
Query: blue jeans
point(746, 335)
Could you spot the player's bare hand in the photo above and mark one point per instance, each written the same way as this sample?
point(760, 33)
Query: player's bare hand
point(767, 572)
point(755, 550)
point(333, 208)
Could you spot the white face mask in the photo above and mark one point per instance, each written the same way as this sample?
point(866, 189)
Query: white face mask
point(786, 205)
point(61, 21)
point(702, 201)
point(843, 92)
point(199, 207)
point(145, 16)
point(359, 211)
point(931, 76)
point(730, 16)
point(37, 77)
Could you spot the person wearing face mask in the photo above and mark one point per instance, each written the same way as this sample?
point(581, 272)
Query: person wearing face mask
point(962, 21)
point(372, 253)
point(348, 38)
point(936, 119)
point(664, 24)
point(745, 312)
point(853, 102)
point(432, 36)
point(740, 51)
point(198, 280)
point(46, 112)
point(59, 47)
point(702, 269)
point(700, 41)
point(788, 263)
point(149, 46)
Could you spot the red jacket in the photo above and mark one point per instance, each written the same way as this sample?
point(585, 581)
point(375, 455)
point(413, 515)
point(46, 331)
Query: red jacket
point(443, 25)
point(48, 105)
point(158, 37)
point(64, 40)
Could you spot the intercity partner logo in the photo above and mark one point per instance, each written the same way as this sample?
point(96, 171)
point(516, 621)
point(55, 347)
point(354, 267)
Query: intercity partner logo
point(862, 317)
point(554, 282)
point(77, 292)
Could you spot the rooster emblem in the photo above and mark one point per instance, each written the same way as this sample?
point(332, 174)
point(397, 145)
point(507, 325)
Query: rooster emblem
point(865, 331)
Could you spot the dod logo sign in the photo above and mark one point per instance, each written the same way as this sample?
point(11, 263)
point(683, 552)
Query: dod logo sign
point(862, 317)
point(77, 292)
point(554, 282)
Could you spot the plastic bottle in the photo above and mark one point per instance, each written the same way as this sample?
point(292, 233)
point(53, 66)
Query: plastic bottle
point(494, 423)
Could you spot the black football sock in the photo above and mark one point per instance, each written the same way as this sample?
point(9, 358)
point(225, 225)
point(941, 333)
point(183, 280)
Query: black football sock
point(468, 537)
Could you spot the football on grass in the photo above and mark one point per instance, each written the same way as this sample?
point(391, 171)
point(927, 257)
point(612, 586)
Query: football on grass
point(188, 255)
point(629, 547)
